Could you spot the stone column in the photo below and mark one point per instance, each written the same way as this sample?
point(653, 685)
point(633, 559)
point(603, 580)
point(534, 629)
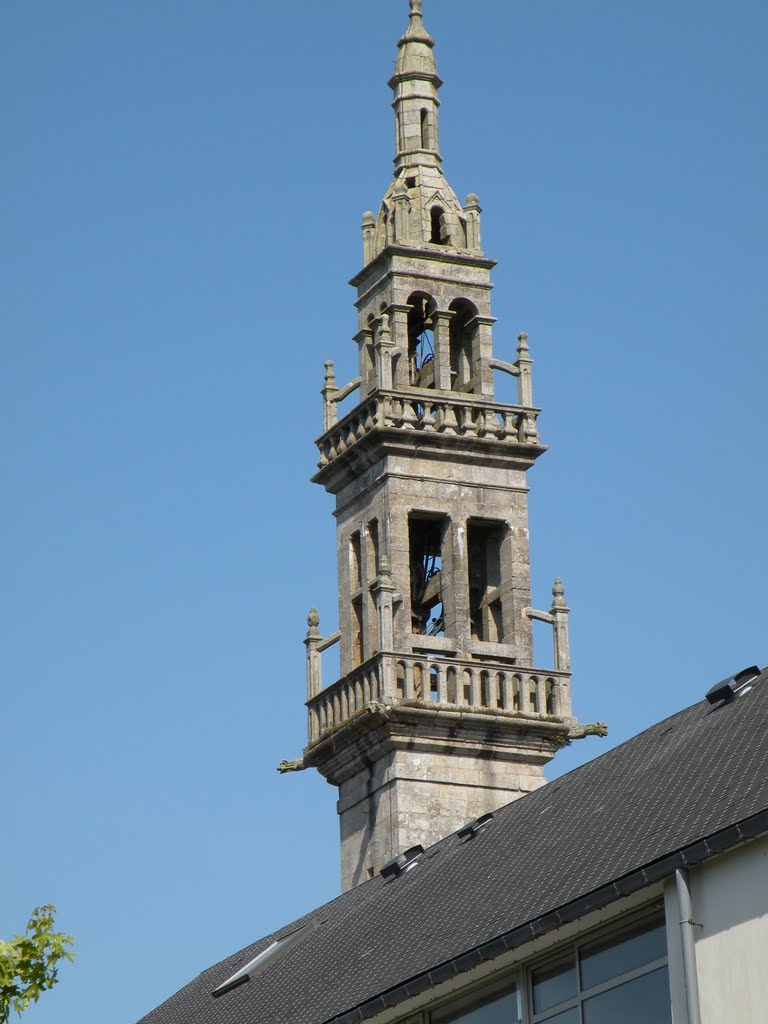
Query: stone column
point(559, 612)
point(402, 206)
point(516, 584)
point(364, 339)
point(384, 592)
point(330, 408)
point(399, 328)
point(482, 353)
point(524, 364)
point(525, 386)
point(442, 321)
point(456, 581)
point(473, 211)
point(369, 236)
point(384, 351)
point(314, 659)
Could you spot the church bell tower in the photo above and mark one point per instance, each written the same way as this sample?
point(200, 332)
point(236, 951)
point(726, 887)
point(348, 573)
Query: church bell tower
point(439, 715)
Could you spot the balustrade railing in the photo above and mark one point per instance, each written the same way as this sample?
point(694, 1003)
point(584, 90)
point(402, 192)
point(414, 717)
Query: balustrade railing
point(464, 415)
point(397, 678)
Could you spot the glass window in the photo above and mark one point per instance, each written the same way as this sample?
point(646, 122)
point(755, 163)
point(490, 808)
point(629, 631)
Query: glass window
point(642, 1001)
point(496, 1009)
point(610, 957)
point(566, 1017)
point(553, 984)
point(619, 978)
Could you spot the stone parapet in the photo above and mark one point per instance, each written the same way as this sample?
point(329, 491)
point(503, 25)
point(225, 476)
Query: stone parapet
point(455, 685)
point(433, 416)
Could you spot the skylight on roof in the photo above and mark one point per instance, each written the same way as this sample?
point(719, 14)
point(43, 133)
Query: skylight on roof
point(258, 963)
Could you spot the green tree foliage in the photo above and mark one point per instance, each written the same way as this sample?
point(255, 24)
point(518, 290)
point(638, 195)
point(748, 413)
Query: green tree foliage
point(29, 962)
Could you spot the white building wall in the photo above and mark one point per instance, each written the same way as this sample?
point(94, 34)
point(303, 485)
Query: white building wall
point(730, 903)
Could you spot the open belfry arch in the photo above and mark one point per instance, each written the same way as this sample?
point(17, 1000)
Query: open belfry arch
point(440, 714)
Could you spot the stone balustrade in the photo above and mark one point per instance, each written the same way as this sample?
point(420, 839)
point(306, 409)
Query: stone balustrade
point(431, 680)
point(428, 412)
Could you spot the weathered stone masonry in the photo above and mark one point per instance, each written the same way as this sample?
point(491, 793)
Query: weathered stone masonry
point(439, 715)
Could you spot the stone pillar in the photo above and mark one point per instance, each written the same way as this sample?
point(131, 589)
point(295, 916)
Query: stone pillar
point(473, 211)
point(524, 364)
point(330, 408)
point(516, 584)
point(369, 237)
point(397, 550)
point(402, 206)
point(456, 582)
point(442, 321)
point(384, 351)
point(366, 361)
point(482, 354)
point(559, 612)
point(312, 641)
point(384, 591)
point(525, 386)
point(399, 328)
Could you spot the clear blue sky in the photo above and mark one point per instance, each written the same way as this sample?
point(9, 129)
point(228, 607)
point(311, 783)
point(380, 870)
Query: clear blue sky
point(181, 188)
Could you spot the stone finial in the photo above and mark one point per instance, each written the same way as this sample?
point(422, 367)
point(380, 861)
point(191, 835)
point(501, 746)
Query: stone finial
point(472, 203)
point(313, 621)
point(368, 219)
point(330, 374)
point(385, 566)
point(522, 339)
point(416, 31)
point(385, 333)
point(558, 596)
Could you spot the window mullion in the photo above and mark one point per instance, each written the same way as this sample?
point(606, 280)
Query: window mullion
point(620, 979)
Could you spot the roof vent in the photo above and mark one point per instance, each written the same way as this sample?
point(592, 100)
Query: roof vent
point(733, 686)
point(402, 863)
point(470, 830)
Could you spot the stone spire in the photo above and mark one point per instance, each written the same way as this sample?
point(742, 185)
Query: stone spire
point(415, 84)
point(420, 208)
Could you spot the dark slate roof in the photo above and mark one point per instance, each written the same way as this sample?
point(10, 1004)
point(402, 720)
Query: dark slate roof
point(685, 789)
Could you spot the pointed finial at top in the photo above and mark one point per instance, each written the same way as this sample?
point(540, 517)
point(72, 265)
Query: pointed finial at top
point(558, 594)
point(313, 621)
point(416, 30)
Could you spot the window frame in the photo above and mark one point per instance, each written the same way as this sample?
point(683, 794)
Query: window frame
point(581, 995)
point(521, 976)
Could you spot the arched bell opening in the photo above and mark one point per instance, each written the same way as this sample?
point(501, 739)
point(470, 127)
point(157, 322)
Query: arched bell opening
point(463, 339)
point(439, 234)
point(421, 340)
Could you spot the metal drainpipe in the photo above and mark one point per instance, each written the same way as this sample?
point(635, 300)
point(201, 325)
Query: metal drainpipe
point(689, 946)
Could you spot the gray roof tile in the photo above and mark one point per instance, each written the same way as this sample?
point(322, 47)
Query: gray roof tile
point(578, 841)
